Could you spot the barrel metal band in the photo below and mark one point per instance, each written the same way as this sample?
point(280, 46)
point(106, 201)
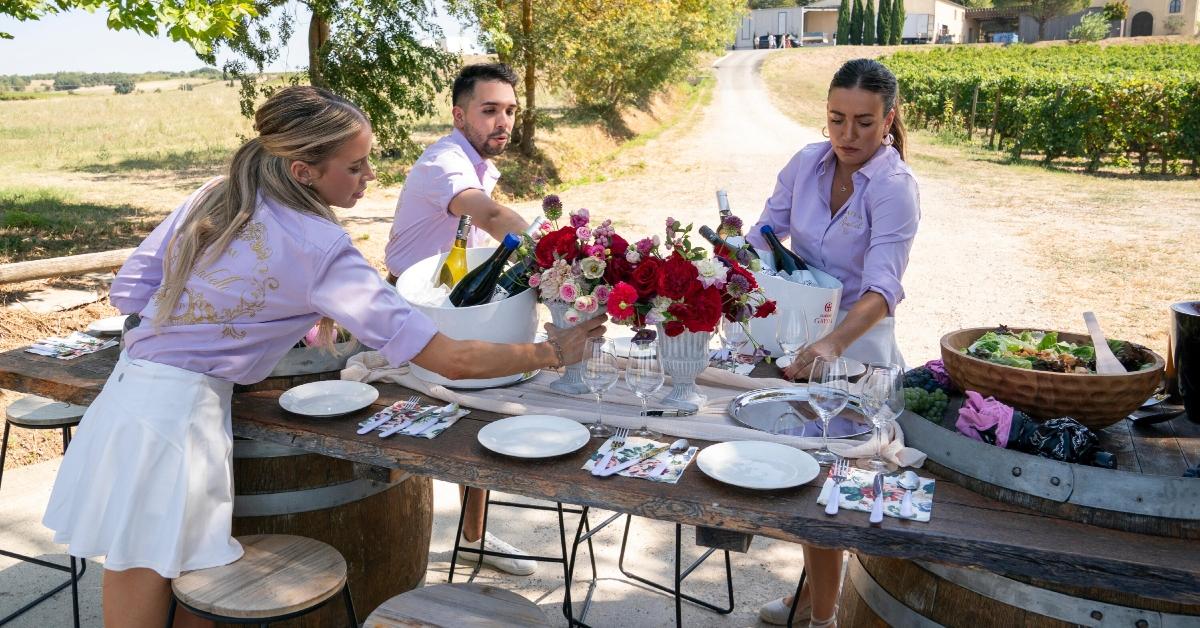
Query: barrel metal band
point(1059, 606)
point(888, 608)
point(264, 449)
point(308, 500)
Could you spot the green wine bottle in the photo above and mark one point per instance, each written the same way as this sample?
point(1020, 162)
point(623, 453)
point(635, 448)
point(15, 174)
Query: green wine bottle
point(786, 261)
point(515, 280)
point(477, 286)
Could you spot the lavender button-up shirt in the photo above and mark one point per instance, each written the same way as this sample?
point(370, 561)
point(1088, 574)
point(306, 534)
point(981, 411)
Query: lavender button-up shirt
point(240, 314)
point(424, 226)
point(865, 245)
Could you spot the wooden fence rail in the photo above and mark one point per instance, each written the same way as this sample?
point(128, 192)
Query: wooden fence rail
point(62, 266)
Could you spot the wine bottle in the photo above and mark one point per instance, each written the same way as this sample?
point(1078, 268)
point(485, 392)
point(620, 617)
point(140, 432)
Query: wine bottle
point(724, 229)
point(514, 281)
point(454, 267)
point(786, 261)
point(724, 247)
point(478, 285)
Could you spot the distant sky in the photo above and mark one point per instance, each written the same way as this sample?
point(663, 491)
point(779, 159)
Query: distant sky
point(81, 41)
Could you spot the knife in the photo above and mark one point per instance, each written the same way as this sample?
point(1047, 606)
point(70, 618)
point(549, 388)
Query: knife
point(633, 461)
point(387, 415)
point(671, 412)
point(442, 416)
point(877, 507)
point(403, 424)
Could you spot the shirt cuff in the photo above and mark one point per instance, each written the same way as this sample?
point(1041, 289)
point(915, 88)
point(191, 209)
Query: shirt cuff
point(891, 296)
point(410, 340)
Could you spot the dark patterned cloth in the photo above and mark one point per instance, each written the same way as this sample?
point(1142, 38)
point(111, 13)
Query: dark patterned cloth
point(1062, 439)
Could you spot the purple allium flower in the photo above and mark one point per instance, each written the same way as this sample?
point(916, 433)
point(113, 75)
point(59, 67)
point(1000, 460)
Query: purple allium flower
point(738, 286)
point(732, 222)
point(644, 246)
point(552, 207)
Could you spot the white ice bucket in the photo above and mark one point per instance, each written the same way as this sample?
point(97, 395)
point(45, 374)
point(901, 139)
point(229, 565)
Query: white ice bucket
point(511, 320)
point(819, 303)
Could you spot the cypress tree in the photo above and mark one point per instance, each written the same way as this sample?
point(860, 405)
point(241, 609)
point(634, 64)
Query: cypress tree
point(897, 22)
point(856, 24)
point(869, 23)
point(883, 27)
point(843, 23)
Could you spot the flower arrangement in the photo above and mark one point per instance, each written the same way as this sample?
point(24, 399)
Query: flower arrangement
point(672, 283)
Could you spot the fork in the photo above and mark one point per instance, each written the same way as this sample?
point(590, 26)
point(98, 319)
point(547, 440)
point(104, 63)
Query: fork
point(837, 472)
point(410, 404)
point(618, 441)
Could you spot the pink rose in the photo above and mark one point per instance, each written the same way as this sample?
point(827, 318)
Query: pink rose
point(586, 304)
point(572, 316)
point(579, 218)
point(602, 293)
point(535, 280)
point(644, 245)
point(583, 233)
point(546, 226)
point(568, 292)
point(595, 250)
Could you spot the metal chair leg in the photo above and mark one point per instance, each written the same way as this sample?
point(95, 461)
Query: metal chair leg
point(4, 451)
point(349, 605)
point(66, 438)
point(171, 612)
point(796, 597)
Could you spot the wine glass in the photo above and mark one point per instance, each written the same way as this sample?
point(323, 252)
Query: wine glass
point(882, 390)
point(600, 374)
point(792, 332)
point(644, 374)
point(733, 338)
point(828, 393)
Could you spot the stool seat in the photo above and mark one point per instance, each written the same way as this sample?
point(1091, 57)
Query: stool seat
point(39, 412)
point(453, 605)
point(278, 575)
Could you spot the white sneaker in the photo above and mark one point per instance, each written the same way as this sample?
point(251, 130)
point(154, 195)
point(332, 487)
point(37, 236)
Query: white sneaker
point(776, 612)
point(491, 542)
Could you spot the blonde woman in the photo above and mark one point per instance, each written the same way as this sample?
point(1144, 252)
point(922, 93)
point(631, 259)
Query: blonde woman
point(225, 286)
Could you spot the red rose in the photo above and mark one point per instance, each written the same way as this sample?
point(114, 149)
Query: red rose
point(765, 310)
point(673, 328)
point(618, 269)
point(618, 246)
point(559, 244)
point(622, 301)
point(645, 277)
point(677, 278)
point(700, 311)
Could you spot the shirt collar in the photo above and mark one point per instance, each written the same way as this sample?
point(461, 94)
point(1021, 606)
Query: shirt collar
point(880, 161)
point(482, 166)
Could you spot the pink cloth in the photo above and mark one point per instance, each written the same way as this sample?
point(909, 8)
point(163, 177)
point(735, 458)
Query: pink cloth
point(938, 369)
point(981, 415)
point(424, 226)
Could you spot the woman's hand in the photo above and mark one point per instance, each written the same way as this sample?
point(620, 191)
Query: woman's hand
point(802, 365)
point(571, 340)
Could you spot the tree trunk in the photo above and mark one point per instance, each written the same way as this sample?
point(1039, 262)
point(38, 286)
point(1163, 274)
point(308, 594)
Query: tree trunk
point(318, 34)
point(1041, 29)
point(529, 116)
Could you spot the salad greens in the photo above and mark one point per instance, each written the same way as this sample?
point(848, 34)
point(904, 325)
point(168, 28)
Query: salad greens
point(1041, 351)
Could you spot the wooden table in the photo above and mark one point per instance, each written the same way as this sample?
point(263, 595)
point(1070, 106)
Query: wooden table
point(966, 529)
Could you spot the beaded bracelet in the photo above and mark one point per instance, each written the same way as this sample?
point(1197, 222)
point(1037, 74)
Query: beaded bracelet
point(558, 351)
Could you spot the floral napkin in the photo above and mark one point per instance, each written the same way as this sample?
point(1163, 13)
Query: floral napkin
point(71, 347)
point(858, 493)
point(665, 467)
point(739, 363)
point(398, 414)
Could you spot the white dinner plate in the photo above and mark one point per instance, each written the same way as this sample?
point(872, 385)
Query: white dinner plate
point(757, 464)
point(328, 398)
point(854, 367)
point(534, 436)
point(111, 326)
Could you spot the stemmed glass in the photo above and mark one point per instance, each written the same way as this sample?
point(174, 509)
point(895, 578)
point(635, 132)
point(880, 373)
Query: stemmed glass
point(644, 374)
point(882, 402)
point(792, 332)
point(828, 393)
point(733, 338)
point(600, 374)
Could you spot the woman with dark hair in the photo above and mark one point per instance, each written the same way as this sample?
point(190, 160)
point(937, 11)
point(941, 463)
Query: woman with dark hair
point(850, 207)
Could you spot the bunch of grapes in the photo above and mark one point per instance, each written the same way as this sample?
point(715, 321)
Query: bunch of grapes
point(924, 378)
point(931, 405)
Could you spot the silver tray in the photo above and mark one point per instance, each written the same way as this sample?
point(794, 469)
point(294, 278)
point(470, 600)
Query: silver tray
point(786, 411)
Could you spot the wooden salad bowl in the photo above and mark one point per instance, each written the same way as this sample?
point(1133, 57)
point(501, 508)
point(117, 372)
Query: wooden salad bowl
point(1096, 401)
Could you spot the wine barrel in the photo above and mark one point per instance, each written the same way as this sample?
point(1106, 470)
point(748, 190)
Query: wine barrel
point(1146, 493)
point(890, 592)
point(379, 520)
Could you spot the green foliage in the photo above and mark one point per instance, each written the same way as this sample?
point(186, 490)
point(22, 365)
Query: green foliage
point(843, 22)
point(124, 86)
point(883, 24)
point(1043, 11)
point(856, 23)
point(195, 22)
point(1085, 102)
point(1093, 27)
point(898, 16)
point(13, 83)
point(868, 35)
point(1116, 10)
point(374, 54)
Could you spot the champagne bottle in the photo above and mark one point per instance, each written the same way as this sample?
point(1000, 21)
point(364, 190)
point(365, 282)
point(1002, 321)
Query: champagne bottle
point(724, 247)
point(786, 261)
point(513, 281)
point(725, 229)
point(477, 286)
point(454, 267)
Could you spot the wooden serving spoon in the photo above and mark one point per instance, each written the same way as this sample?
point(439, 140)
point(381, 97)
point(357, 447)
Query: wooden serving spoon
point(1106, 362)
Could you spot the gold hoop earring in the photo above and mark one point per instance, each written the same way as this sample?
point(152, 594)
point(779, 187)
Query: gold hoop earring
point(825, 132)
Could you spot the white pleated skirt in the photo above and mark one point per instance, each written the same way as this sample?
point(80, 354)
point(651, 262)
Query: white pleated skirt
point(148, 478)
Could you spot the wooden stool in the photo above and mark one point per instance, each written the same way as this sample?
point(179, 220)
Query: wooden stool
point(453, 605)
point(279, 577)
point(39, 413)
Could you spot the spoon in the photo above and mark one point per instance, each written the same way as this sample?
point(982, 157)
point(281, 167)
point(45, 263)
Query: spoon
point(1106, 362)
point(418, 418)
point(909, 482)
point(678, 447)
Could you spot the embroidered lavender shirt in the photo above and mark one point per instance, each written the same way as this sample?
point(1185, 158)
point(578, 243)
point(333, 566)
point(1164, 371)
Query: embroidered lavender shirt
point(424, 226)
point(240, 314)
point(865, 245)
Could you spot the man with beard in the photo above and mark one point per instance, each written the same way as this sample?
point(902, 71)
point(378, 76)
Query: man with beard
point(455, 175)
point(452, 178)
